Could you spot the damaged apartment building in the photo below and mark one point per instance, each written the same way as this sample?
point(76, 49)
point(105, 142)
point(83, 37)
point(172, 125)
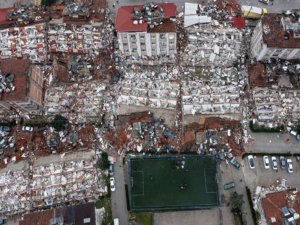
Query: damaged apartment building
point(213, 61)
point(49, 185)
point(24, 42)
point(154, 89)
point(21, 87)
point(147, 30)
point(277, 36)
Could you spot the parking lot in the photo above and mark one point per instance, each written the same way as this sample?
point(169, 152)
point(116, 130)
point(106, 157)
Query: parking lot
point(260, 176)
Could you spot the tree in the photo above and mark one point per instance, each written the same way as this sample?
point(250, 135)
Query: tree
point(48, 2)
point(236, 201)
point(103, 162)
point(59, 123)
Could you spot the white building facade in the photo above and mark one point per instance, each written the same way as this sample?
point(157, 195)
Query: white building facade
point(285, 43)
point(147, 44)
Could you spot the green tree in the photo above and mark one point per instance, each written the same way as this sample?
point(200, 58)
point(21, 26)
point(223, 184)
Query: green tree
point(103, 162)
point(59, 123)
point(236, 201)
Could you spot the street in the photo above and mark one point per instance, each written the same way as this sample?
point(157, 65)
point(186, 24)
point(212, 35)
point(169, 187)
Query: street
point(119, 203)
point(272, 143)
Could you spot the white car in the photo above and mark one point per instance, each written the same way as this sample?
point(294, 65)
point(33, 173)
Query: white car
point(112, 184)
point(274, 163)
point(251, 161)
point(27, 128)
point(289, 165)
point(266, 162)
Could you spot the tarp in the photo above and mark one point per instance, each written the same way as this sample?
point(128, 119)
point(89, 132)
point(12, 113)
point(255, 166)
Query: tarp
point(253, 12)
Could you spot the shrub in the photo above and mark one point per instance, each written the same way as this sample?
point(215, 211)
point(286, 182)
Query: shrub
point(256, 129)
point(103, 162)
point(59, 123)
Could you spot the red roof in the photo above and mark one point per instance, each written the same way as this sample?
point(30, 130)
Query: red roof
point(238, 22)
point(3, 14)
point(124, 17)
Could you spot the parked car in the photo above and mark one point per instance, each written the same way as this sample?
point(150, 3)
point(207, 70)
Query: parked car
point(235, 163)
point(266, 162)
point(111, 170)
point(290, 165)
point(229, 185)
point(112, 184)
point(298, 158)
point(25, 128)
point(264, 1)
point(251, 161)
point(282, 161)
point(5, 128)
point(274, 163)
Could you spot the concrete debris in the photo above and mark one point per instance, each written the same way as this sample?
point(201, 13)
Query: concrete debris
point(49, 185)
point(152, 89)
point(76, 10)
point(72, 38)
point(28, 41)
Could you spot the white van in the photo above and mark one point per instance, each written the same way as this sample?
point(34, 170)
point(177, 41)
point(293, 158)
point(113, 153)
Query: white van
point(116, 221)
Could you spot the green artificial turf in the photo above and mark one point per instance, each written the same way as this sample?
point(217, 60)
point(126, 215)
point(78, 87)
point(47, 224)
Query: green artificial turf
point(160, 183)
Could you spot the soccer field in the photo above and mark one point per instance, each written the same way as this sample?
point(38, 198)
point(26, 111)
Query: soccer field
point(172, 182)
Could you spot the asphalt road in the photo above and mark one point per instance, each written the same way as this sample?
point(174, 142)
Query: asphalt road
point(119, 205)
point(273, 143)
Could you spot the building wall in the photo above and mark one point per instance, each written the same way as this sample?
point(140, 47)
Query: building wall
point(261, 51)
point(36, 83)
point(147, 44)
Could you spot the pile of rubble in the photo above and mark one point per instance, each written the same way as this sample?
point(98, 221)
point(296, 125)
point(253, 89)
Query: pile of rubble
point(76, 10)
point(28, 41)
point(71, 38)
point(212, 91)
point(53, 184)
point(25, 15)
point(213, 47)
point(141, 133)
point(154, 89)
point(83, 100)
point(275, 105)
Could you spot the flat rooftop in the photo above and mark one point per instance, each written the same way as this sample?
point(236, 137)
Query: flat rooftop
point(274, 202)
point(274, 34)
point(124, 18)
point(20, 68)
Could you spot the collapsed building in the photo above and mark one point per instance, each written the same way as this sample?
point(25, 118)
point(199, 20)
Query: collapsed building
point(80, 101)
point(154, 89)
point(24, 42)
point(277, 36)
point(213, 61)
point(147, 30)
point(49, 185)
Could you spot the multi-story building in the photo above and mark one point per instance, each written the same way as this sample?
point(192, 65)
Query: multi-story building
point(21, 87)
point(24, 42)
point(147, 30)
point(277, 36)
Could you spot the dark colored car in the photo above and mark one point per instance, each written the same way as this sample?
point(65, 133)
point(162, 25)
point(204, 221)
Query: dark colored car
point(5, 128)
point(282, 162)
point(235, 163)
